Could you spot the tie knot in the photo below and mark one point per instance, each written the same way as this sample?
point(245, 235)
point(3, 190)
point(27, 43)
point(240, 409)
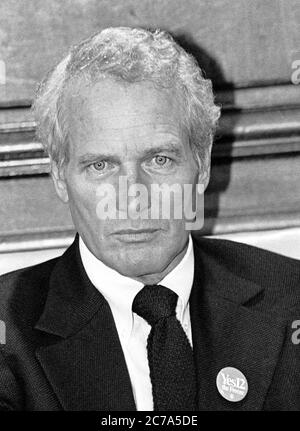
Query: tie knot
point(155, 302)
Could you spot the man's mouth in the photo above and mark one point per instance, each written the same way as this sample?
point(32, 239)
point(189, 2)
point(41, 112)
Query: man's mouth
point(136, 235)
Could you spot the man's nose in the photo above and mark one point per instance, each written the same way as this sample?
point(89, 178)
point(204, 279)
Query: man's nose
point(133, 173)
point(134, 190)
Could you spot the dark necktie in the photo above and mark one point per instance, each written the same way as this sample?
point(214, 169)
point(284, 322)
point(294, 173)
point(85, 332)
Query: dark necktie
point(170, 355)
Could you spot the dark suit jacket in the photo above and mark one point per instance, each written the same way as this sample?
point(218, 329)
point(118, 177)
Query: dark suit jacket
point(63, 352)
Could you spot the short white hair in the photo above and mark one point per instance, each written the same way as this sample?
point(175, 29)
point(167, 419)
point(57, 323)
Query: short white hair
point(129, 55)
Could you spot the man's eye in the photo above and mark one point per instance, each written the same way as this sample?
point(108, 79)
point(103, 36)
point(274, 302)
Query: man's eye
point(162, 160)
point(102, 167)
point(99, 166)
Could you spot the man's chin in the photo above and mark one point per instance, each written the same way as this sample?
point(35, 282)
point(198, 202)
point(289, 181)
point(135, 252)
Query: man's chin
point(138, 267)
point(138, 270)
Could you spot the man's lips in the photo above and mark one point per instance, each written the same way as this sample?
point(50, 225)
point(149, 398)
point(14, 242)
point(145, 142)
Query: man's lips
point(136, 235)
point(136, 231)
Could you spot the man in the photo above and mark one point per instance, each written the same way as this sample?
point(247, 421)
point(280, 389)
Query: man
point(136, 314)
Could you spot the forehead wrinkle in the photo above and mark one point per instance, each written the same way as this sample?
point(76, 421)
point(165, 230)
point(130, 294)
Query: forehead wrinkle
point(82, 97)
point(92, 122)
point(167, 127)
point(159, 114)
point(157, 127)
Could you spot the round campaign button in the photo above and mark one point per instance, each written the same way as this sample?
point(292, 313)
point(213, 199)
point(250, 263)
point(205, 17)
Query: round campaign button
point(232, 384)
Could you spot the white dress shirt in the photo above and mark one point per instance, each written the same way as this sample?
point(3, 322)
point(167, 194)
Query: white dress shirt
point(133, 330)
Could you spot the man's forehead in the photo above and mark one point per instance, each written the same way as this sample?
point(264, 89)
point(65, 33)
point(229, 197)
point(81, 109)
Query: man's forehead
point(106, 96)
point(107, 112)
point(123, 142)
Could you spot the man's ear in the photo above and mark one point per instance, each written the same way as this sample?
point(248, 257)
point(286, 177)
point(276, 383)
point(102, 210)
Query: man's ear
point(204, 169)
point(204, 176)
point(57, 174)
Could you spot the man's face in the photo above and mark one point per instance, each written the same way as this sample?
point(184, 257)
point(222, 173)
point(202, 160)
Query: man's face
point(134, 131)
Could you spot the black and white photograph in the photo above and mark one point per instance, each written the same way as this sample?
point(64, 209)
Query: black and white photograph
point(150, 208)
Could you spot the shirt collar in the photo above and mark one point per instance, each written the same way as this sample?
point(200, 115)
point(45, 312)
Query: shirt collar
point(119, 291)
point(180, 279)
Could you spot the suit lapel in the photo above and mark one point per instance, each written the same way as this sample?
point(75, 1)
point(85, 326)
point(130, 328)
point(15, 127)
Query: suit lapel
point(228, 332)
point(85, 364)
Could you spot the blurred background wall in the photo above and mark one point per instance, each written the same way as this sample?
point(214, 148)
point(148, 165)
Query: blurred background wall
point(250, 50)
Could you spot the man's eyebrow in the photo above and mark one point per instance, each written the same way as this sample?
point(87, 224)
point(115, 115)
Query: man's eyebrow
point(91, 157)
point(169, 148)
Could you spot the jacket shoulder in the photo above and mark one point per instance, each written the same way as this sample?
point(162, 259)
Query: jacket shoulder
point(30, 273)
point(240, 251)
point(278, 274)
point(23, 290)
